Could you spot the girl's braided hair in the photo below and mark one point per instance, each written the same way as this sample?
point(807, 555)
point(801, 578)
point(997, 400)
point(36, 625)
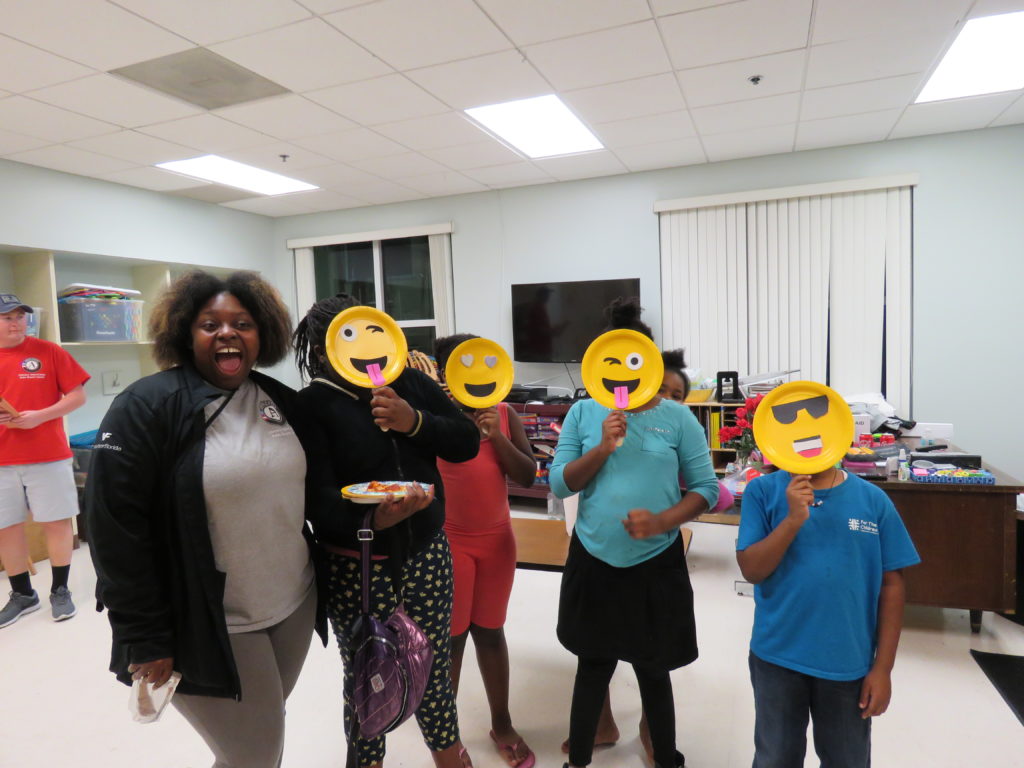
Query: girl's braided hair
point(310, 337)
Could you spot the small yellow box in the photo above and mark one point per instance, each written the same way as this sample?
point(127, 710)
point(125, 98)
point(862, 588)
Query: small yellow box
point(699, 395)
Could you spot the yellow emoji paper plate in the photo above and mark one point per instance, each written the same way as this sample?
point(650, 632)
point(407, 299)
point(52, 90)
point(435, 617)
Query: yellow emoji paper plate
point(479, 373)
point(622, 369)
point(803, 427)
point(366, 347)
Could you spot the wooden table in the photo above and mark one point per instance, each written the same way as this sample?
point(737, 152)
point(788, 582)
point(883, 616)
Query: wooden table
point(542, 543)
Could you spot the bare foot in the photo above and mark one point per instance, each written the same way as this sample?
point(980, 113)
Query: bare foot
point(645, 739)
point(606, 737)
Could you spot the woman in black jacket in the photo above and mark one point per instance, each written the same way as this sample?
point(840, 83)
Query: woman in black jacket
point(411, 556)
point(196, 505)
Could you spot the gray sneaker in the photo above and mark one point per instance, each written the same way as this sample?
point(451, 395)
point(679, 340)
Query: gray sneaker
point(60, 604)
point(18, 606)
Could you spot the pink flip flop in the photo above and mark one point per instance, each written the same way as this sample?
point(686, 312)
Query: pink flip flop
point(508, 753)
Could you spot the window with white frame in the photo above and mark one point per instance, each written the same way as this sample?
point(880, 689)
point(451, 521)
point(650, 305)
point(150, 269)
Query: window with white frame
point(406, 273)
point(815, 279)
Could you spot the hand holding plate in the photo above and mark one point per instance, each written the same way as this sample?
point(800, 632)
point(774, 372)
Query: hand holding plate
point(487, 421)
point(800, 497)
point(392, 412)
point(613, 431)
point(393, 511)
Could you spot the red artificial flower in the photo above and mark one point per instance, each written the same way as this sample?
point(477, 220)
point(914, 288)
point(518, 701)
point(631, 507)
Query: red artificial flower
point(741, 413)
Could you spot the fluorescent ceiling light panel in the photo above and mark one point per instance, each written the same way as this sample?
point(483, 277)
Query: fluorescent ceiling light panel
point(228, 172)
point(986, 57)
point(538, 127)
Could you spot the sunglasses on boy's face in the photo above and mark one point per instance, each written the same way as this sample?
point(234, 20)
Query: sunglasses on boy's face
point(786, 413)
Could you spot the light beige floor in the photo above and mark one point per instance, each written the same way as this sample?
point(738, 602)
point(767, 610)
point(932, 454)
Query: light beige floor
point(59, 706)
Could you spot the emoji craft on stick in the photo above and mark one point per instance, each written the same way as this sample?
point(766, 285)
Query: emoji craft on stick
point(622, 369)
point(479, 373)
point(366, 347)
point(803, 427)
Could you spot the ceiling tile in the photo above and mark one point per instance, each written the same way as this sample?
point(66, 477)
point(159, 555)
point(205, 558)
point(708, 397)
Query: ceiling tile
point(328, 200)
point(583, 166)
point(208, 133)
point(204, 22)
point(382, 192)
point(842, 20)
point(534, 21)
point(667, 7)
point(303, 56)
point(620, 101)
point(135, 147)
point(1014, 114)
point(602, 57)
point(646, 130)
point(339, 176)
point(48, 122)
point(724, 118)
point(664, 154)
point(411, 33)
point(399, 166)
point(382, 100)
point(477, 82)
point(754, 28)
point(268, 157)
point(869, 96)
point(15, 142)
point(750, 143)
point(91, 32)
point(512, 174)
point(214, 193)
point(117, 101)
point(722, 83)
point(947, 116)
point(329, 6)
point(358, 144)
point(849, 129)
point(70, 160)
point(26, 68)
point(434, 132)
point(478, 155)
point(286, 117)
point(442, 183)
point(281, 205)
point(871, 58)
point(156, 179)
point(994, 7)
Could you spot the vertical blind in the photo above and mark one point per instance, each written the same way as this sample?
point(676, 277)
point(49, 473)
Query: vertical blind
point(819, 283)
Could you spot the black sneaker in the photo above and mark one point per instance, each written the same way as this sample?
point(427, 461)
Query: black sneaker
point(18, 606)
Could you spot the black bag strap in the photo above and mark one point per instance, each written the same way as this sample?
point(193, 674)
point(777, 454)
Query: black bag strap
point(221, 407)
point(365, 536)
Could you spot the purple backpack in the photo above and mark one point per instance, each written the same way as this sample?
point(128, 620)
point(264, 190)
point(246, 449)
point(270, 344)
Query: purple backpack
point(391, 662)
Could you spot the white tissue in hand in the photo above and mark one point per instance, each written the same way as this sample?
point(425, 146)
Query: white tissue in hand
point(146, 703)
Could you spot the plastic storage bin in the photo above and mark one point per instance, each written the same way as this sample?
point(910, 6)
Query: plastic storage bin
point(100, 319)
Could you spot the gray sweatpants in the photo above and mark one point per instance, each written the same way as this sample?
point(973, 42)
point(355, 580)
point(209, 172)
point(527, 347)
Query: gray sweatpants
point(250, 733)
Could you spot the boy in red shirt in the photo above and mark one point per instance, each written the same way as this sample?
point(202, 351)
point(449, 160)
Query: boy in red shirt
point(43, 383)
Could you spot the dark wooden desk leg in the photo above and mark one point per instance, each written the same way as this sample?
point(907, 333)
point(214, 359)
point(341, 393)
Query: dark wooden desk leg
point(975, 621)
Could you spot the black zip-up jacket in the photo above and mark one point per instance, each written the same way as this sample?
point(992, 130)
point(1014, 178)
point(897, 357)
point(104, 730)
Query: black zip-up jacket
point(148, 531)
point(343, 431)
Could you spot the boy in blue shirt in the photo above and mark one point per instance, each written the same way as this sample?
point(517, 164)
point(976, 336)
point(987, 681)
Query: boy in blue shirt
point(826, 553)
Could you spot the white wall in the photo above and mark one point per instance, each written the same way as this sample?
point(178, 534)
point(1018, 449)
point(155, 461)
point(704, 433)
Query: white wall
point(968, 246)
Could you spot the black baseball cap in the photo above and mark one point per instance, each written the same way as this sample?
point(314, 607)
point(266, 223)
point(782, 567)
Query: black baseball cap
point(9, 302)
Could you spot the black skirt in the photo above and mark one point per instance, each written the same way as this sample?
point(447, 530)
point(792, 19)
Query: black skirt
point(642, 614)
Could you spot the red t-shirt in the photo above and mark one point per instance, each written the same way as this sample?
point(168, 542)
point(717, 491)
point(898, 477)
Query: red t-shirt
point(34, 375)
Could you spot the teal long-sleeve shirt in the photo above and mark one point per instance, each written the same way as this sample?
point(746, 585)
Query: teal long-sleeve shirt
point(642, 473)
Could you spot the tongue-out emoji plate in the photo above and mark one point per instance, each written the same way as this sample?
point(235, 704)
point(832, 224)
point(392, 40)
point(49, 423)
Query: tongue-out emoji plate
point(803, 427)
point(366, 347)
point(622, 369)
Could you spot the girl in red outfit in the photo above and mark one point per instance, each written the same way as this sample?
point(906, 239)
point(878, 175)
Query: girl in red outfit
point(479, 530)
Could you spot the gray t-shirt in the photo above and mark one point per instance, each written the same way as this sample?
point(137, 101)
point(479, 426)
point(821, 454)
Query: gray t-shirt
point(254, 474)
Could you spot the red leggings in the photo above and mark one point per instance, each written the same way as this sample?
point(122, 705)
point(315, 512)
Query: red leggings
point(484, 565)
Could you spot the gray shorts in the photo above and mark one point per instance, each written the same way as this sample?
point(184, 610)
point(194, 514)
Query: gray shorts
point(48, 489)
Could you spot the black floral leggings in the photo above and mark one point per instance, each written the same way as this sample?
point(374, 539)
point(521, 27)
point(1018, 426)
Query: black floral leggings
point(427, 585)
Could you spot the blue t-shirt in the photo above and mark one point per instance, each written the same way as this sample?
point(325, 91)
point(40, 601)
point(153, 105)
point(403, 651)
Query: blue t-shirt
point(642, 473)
point(818, 611)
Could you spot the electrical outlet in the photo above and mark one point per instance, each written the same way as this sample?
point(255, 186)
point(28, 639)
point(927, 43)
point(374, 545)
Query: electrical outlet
point(113, 382)
point(744, 588)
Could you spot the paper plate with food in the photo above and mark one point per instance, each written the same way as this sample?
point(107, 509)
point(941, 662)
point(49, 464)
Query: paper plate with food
point(376, 491)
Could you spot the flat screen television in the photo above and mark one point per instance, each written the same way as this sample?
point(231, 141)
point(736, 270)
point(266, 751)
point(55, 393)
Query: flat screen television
point(555, 322)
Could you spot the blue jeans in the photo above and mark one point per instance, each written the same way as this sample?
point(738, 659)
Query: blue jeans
point(783, 699)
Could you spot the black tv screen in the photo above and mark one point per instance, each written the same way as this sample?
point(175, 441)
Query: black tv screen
point(555, 322)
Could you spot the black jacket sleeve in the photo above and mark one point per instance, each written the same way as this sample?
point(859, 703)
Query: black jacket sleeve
point(124, 530)
point(445, 430)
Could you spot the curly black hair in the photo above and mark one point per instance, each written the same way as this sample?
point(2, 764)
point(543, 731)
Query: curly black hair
point(625, 313)
point(310, 337)
point(170, 323)
point(675, 362)
point(443, 347)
